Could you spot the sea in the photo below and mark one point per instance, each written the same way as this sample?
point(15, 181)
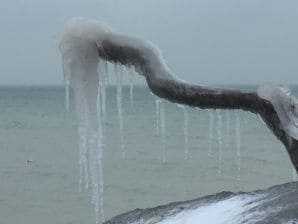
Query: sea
point(214, 151)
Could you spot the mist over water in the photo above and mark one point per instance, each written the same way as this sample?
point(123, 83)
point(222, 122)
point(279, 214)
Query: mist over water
point(46, 135)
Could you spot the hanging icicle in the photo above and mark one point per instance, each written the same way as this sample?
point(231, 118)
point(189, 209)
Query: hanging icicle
point(238, 142)
point(80, 67)
point(219, 136)
point(66, 75)
point(185, 130)
point(119, 79)
point(157, 114)
point(294, 174)
point(227, 138)
point(131, 85)
point(210, 139)
point(185, 113)
point(163, 130)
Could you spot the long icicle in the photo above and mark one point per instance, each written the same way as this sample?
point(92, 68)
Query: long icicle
point(219, 136)
point(100, 146)
point(227, 128)
point(157, 114)
point(294, 174)
point(210, 138)
point(163, 129)
point(185, 130)
point(82, 141)
point(238, 142)
point(119, 78)
point(131, 85)
point(185, 113)
point(66, 76)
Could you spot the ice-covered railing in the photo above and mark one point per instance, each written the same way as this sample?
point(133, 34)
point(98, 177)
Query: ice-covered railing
point(280, 114)
point(88, 44)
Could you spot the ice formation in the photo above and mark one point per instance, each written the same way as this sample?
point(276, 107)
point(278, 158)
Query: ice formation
point(80, 66)
point(163, 130)
point(294, 174)
point(285, 105)
point(227, 137)
point(219, 139)
point(131, 84)
point(157, 114)
point(238, 142)
point(185, 115)
point(210, 138)
point(119, 80)
point(185, 130)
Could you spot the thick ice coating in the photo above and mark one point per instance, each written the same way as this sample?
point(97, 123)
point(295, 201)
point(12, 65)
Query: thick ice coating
point(285, 105)
point(79, 49)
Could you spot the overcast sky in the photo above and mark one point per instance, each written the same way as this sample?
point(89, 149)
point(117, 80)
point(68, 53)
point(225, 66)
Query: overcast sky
point(204, 41)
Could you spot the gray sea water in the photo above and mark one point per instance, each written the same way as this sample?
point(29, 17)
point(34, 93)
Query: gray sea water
point(39, 170)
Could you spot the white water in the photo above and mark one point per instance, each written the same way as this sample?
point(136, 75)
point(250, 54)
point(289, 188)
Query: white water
point(219, 138)
point(163, 130)
point(119, 80)
point(210, 138)
point(80, 60)
point(238, 143)
point(232, 211)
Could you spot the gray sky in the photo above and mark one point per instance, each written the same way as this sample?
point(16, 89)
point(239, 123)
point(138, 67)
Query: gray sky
point(204, 41)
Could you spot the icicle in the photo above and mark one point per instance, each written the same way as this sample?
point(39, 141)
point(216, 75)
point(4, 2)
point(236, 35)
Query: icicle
point(119, 78)
point(78, 47)
point(185, 123)
point(100, 147)
point(131, 84)
point(83, 148)
point(294, 174)
point(157, 113)
point(185, 133)
point(163, 129)
point(238, 142)
point(227, 128)
point(66, 85)
point(219, 136)
point(106, 72)
point(102, 93)
point(210, 139)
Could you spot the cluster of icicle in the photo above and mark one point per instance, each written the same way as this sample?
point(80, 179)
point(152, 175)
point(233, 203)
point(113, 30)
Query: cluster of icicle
point(86, 73)
point(88, 80)
point(219, 129)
